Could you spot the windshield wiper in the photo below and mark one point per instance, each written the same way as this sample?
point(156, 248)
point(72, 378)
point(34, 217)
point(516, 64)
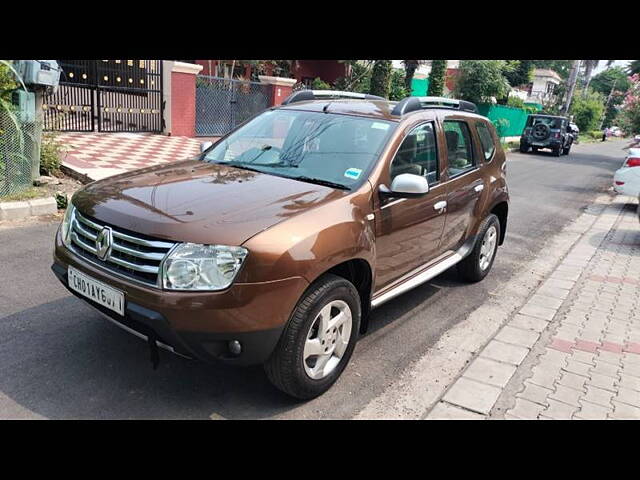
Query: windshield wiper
point(320, 181)
point(241, 166)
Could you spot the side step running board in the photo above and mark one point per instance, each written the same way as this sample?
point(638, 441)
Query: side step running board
point(426, 275)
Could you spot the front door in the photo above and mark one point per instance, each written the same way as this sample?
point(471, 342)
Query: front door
point(464, 184)
point(408, 230)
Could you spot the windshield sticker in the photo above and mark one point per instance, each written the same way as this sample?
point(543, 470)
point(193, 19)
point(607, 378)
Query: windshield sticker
point(380, 126)
point(353, 173)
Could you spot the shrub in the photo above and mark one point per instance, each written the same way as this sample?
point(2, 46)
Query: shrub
point(437, 77)
point(397, 90)
point(319, 84)
point(501, 124)
point(516, 102)
point(587, 110)
point(595, 134)
point(50, 153)
point(359, 79)
point(479, 80)
point(381, 78)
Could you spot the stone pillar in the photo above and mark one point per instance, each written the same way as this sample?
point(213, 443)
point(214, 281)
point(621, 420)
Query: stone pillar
point(183, 99)
point(281, 87)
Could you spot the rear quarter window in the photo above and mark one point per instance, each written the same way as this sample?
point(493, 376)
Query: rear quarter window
point(486, 140)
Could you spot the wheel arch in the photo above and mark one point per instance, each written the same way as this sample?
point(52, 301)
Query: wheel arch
point(359, 272)
point(501, 210)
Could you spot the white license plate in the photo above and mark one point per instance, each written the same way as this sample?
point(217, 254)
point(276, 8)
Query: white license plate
point(97, 291)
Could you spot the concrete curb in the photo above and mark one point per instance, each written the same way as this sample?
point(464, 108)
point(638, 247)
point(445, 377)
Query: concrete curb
point(29, 208)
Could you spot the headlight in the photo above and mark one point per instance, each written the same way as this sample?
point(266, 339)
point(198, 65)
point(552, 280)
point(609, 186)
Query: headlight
point(65, 227)
point(192, 266)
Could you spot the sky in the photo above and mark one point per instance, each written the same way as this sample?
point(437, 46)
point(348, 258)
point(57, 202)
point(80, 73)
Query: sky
point(617, 63)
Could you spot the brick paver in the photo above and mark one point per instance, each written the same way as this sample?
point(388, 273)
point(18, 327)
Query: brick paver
point(595, 370)
point(573, 350)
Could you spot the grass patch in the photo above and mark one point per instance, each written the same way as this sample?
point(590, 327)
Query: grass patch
point(28, 194)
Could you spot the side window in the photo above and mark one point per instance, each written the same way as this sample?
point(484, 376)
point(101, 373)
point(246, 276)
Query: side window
point(488, 147)
point(418, 154)
point(459, 147)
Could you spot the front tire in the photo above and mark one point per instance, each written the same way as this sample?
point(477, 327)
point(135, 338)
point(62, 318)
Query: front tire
point(317, 344)
point(478, 263)
point(556, 151)
point(566, 150)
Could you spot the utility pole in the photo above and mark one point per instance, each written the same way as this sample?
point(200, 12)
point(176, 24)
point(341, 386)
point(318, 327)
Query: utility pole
point(573, 77)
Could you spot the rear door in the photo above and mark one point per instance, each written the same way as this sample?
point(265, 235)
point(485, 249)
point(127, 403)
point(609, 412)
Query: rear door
point(464, 183)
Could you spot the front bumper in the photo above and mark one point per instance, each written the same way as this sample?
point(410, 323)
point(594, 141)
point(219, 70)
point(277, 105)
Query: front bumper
point(198, 324)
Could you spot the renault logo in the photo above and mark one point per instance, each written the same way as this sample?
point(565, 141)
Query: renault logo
point(104, 240)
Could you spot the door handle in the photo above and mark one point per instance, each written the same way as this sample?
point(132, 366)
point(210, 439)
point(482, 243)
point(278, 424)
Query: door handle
point(440, 205)
point(479, 188)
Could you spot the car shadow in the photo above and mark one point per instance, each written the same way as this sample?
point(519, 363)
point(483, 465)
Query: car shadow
point(86, 367)
point(68, 362)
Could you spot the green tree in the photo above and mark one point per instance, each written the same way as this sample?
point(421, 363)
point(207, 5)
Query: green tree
point(612, 83)
point(629, 117)
point(605, 80)
point(561, 67)
point(587, 110)
point(479, 80)
point(589, 67)
point(381, 78)
point(319, 84)
point(359, 77)
point(634, 67)
point(437, 77)
point(398, 89)
point(518, 72)
point(410, 67)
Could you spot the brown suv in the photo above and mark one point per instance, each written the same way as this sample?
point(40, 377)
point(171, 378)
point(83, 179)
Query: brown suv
point(276, 242)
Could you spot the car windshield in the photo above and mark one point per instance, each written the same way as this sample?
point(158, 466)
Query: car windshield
point(551, 122)
point(330, 149)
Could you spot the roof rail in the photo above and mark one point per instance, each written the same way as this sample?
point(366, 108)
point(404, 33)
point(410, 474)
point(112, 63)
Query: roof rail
point(304, 95)
point(411, 104)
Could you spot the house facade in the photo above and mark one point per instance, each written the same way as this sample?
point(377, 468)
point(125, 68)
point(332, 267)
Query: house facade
point(542, 89)
point(304, 71)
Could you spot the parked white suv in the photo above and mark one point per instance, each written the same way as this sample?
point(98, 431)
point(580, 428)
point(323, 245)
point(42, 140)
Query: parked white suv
point(626, 180)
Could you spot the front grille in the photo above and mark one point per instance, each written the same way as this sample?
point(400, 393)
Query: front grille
point(131, 256)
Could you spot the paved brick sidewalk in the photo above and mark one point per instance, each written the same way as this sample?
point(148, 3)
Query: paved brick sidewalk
point(100, 155)
point(573, 351)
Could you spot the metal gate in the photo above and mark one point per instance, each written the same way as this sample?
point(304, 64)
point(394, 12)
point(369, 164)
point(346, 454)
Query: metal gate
point(107, 96)
point(222, 104)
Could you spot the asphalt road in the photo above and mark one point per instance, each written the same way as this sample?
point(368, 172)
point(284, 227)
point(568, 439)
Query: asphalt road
point(60, 359)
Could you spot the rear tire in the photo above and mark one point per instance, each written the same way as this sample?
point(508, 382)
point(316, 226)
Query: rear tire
point(556, 151)
point(534, 149)
point(294, 367)
point(478, 263)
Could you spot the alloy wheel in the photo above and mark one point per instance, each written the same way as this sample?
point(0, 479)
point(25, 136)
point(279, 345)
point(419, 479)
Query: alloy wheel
point(327, 339)
point(488, 247)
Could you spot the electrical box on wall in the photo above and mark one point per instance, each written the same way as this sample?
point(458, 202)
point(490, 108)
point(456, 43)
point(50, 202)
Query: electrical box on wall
point(26, 105)
point(39, 73)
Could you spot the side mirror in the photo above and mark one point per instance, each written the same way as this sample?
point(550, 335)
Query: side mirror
point(204, 146)
point(406, 185)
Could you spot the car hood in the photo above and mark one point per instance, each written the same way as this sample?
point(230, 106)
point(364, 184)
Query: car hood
point(192, 201)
